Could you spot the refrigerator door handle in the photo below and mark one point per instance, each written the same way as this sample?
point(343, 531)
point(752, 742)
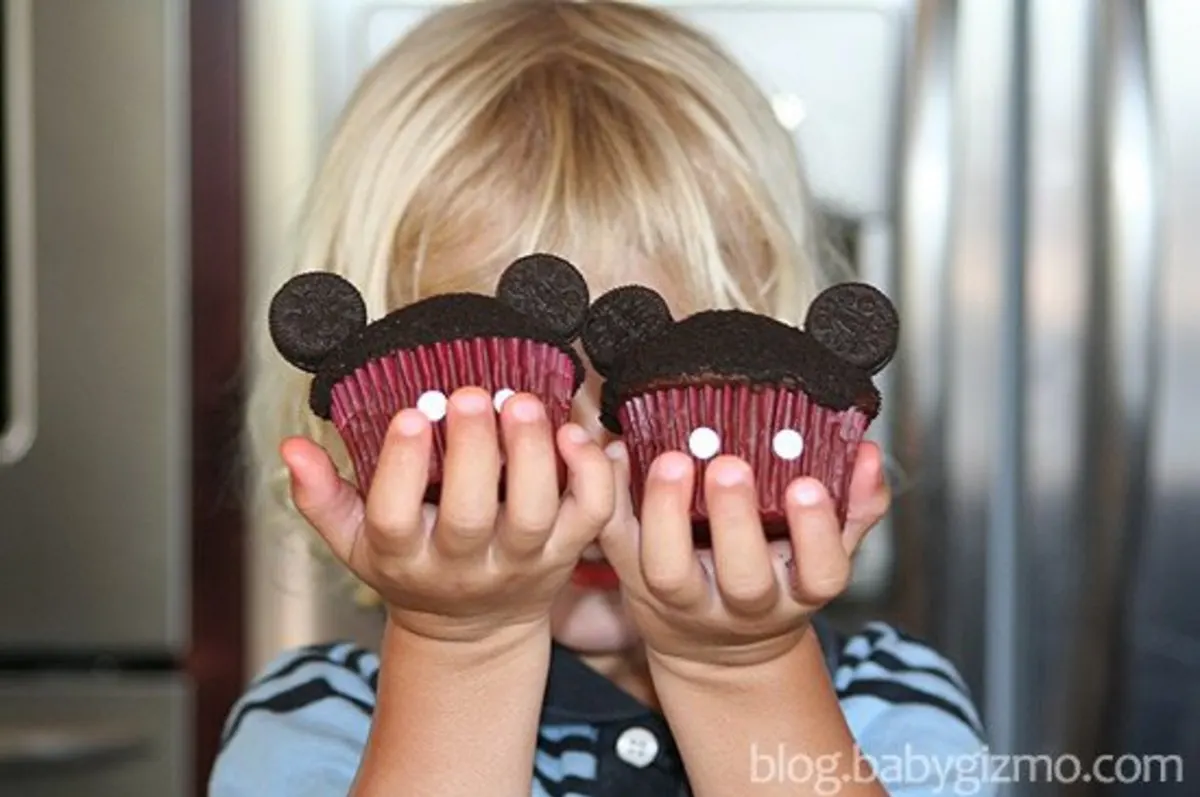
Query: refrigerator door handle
point(1131, 199)
point(38, 749)
point(17, 436)
point(926, 202)
point(1129, 251)
point(925, 220)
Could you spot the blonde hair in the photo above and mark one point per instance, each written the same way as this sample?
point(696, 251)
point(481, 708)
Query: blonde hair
point(611, 134)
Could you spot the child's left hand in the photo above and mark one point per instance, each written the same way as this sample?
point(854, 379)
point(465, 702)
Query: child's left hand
point(746, 601)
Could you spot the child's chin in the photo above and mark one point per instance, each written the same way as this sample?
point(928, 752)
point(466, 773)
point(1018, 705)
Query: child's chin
point(592, 622)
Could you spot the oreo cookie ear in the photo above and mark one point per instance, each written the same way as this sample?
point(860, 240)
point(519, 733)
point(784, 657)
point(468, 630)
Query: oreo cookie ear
point(311, 315)
point(619, 321)
point(549, 290)
point(857, 322)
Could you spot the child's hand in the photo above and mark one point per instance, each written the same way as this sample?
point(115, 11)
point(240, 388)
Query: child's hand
point(746, 601)
point(471, 567)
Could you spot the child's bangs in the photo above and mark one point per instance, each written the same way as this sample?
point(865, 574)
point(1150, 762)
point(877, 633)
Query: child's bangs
point(596, 165)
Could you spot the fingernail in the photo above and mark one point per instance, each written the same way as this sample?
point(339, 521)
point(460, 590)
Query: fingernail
point(671, 468)
point(577, 435)
point(807, 493)
point(471, 402)
point(615, 451)
point(527, 410)
point(410, 424)
point(727, 475)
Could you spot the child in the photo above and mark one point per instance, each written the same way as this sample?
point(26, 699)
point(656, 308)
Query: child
point(622, 140)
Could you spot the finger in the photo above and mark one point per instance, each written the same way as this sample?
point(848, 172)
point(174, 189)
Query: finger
point(619, 537)
point(590, 500)
point(870, 496)
point(745, 574)
point(331, 505)
point(623, 510)
point(668, 557)
point(821, 564)
point(395, 524)
point(471, 475)
point(531, 476)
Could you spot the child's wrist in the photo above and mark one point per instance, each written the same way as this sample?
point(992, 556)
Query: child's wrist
point(787, 660)
point(518, 644)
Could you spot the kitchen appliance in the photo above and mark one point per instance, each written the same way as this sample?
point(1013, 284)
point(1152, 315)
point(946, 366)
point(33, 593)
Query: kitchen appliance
point(94, 465)
point(1023, 178)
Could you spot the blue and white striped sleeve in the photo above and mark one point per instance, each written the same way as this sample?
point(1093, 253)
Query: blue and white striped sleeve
point(300, 728)
point(911, 714)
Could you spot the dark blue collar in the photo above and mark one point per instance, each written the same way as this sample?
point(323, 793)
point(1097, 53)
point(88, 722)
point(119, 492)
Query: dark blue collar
point(577, 693)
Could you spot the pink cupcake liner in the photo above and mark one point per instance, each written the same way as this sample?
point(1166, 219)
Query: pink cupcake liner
point(746, 420)
point(365, 402)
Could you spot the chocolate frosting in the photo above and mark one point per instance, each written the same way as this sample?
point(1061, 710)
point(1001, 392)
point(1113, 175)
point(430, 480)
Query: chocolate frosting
point(851, 332)
point(317, 320)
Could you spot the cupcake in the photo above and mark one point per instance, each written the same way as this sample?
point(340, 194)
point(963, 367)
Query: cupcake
point(518, 341)
point(790, 402)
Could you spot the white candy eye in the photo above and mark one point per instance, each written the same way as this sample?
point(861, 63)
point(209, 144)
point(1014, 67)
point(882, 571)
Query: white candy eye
point(704, 443)
point(433, 404)
point(502, 395)
point(787, 444)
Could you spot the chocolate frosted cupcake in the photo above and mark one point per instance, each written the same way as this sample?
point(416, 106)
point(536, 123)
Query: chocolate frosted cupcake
point(518, 341)
point(790, 402)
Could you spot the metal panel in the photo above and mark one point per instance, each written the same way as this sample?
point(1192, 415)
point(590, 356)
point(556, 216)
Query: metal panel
point(97, 736)
point(958, 284)
point(92, 553)
point(1159, 691)
point(18, 405)
point(927, 172)
point(1052, 544)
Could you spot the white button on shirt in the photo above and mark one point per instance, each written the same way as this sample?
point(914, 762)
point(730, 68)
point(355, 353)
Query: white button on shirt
point(637, 747)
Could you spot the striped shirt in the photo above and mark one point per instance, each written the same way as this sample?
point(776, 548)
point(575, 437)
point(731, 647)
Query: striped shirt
point(299, 730)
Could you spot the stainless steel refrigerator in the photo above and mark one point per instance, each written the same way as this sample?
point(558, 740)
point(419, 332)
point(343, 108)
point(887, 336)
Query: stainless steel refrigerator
point(1024, 179)
point(94, 576)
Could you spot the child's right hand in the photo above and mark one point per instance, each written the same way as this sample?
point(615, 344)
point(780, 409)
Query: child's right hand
point(470, 568)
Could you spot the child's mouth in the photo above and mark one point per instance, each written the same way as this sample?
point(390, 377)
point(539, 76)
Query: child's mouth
point(594, 571)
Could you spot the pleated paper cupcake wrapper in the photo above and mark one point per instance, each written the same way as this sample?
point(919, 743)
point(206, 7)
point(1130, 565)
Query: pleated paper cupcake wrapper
point(750, 423)
point(365, 402)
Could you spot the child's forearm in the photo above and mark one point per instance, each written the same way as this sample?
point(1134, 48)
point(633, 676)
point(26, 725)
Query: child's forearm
point(771, 730)
point(456, 718)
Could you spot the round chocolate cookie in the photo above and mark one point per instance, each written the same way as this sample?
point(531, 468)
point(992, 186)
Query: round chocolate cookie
point(549, 289)
point(621, 318)
point(856, 322)
point(313, 314)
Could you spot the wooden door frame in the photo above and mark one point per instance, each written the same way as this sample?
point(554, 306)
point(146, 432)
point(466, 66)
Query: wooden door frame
point(216, 661)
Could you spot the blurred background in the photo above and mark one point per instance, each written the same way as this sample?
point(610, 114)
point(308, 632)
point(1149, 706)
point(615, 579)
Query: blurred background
point(1022, 176)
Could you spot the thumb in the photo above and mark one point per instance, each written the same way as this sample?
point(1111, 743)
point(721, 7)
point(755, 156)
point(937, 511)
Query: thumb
point(327, 501)
point(870, 496)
